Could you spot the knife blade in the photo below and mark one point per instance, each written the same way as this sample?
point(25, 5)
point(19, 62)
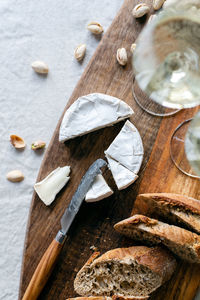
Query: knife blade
point(48, 260)
point(78, 197)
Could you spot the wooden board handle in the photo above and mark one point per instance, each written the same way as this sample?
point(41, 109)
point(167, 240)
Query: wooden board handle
point(43, 271)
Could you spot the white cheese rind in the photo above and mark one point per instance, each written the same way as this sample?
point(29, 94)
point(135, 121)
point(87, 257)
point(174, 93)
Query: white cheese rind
point(92, 112)
point(127, 148)
point(122, 176)
point(99, 190)
point(48, 188)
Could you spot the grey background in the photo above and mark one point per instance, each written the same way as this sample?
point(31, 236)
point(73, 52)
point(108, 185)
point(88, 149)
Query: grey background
point(30, 105)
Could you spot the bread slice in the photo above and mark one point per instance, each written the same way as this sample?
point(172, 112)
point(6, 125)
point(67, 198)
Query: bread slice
point(178, 209)
point(180, 241)
point(125, 272)
point(90, 298)
point(108, 298)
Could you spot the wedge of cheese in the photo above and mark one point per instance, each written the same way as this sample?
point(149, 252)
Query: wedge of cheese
point(99, 190)
point(92, 112)
point(127, 148)
point(122, 176)
point(50, 186)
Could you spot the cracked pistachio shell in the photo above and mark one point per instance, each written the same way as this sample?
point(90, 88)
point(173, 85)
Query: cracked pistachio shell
point(122, 56)
point(79, 52)
point(17, 141)
point(133, 46)
point(157, 4)
point(140, 10)
point(95, 27)
point(38, 145)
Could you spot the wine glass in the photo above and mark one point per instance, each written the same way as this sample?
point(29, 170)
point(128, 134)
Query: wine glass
point(166, 64)
point(192, 143)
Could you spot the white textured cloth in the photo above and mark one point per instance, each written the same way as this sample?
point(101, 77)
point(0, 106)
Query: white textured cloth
point(30, 105)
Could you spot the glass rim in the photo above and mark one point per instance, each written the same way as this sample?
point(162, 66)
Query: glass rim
point(171, 154)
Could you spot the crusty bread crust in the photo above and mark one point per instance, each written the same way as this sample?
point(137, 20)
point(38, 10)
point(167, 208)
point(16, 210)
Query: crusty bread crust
point(181, 202)
point(143, 219)
point(175, 233)
point(92, 258)
point(177, 209)
point(129, 298)
point(157, 260)
point(91, 298)
point(160, 232)
point(115, 297)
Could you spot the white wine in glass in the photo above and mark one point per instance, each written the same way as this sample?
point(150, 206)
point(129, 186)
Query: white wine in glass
point(166, 64)
point(166, 60)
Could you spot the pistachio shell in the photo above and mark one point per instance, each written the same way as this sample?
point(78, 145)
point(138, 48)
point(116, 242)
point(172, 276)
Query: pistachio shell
point(140, 10)
point(38, 145)
point(157, 4)
point(122, 56)
point(17, 141)
point(95, 27)
point(79, 52)
point(133, 46)
point(15, 176)
point(40, 67)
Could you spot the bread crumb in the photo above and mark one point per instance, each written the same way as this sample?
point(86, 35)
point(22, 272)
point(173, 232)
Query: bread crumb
point(93, 248)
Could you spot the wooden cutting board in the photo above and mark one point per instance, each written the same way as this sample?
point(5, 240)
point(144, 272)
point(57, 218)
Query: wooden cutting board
point(94, 222)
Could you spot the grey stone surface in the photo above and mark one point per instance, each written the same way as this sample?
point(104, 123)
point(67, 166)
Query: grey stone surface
point(30, 105)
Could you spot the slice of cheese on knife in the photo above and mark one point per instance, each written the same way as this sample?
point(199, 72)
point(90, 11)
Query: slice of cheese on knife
point(99, 190)
point(92, 112)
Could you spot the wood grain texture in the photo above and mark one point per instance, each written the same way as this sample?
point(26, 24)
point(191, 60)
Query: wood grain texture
point(94, 222)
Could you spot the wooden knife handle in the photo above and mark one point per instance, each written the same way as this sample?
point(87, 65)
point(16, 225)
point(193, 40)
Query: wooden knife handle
point(43, 271)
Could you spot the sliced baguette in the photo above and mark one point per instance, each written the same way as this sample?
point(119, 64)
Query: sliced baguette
point(125, 272)
point(90, 298)
point(108, 298)
point(178, 209)
point(180, 241)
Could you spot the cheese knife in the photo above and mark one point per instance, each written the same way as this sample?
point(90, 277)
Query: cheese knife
point(49, 258)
